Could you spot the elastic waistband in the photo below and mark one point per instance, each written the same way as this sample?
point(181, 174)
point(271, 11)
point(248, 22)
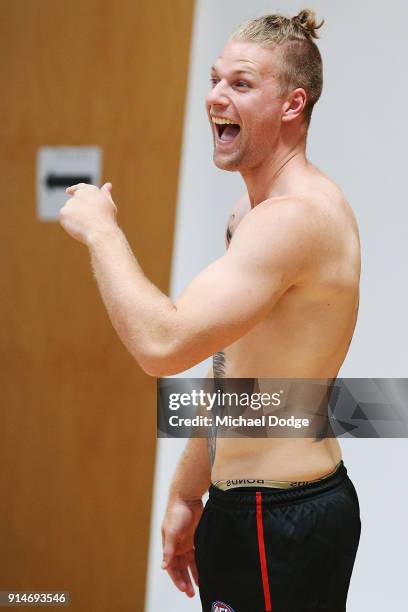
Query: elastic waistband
point(238, 497)
point(236, 483)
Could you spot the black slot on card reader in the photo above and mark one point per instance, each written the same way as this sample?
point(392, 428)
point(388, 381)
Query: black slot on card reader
point(62, 182)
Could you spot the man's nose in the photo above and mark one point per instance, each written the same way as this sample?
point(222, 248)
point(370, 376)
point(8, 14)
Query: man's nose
point(217, 96)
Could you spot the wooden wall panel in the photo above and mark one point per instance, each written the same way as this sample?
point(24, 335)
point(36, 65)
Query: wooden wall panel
point(77, 415)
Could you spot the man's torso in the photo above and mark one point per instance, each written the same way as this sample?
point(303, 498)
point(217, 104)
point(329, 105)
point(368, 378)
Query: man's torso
point(306, 335)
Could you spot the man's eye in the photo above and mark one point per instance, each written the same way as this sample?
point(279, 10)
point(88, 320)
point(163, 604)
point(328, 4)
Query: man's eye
point(213, 80)
point(242, 84)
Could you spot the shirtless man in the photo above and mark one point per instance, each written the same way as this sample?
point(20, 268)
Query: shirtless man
point(285, 306)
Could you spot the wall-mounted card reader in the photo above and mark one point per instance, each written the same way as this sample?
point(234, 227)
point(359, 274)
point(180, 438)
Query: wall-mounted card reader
point(60, 167)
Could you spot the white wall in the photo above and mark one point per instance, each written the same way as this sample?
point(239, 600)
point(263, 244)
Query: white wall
point(358, 136)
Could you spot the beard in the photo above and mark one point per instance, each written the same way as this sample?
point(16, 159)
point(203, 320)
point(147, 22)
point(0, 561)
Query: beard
point(227, 161)
point(244, 156)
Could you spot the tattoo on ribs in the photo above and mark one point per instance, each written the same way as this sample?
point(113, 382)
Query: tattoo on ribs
point(219, 364)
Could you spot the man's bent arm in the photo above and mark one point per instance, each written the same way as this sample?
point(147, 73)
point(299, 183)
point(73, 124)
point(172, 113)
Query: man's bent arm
point(272, 247)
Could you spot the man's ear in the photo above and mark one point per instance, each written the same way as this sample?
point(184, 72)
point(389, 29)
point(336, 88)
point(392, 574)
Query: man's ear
point(294, 105)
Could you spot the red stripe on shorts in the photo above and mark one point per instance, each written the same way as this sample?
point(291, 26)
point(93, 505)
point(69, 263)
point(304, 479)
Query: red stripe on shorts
point(262, 556)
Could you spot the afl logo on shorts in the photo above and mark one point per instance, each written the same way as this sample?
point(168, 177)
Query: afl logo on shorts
point(219, 606)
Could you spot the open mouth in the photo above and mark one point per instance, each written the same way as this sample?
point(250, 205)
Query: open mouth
point(226, 130)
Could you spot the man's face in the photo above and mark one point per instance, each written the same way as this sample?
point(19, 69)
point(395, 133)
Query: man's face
point(244, 91)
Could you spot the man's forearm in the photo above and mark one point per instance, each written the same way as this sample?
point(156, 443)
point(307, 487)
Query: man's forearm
point(193, 474)
point(140, 313)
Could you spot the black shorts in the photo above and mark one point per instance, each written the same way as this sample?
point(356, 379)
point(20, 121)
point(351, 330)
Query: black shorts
point(279, 550)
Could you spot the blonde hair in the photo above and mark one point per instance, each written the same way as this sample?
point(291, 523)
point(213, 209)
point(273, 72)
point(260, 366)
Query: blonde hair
point(300, 62)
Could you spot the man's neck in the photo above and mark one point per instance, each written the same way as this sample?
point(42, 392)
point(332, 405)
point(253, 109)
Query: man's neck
point(275, 176)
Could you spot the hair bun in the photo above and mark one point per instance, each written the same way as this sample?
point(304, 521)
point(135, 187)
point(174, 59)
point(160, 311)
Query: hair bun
point(306, 19)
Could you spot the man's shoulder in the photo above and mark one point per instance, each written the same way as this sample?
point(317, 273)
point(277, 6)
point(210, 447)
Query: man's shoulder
point(313, 209)
point(315, 214)
point(276, 230)
point(285, 211)
point(287, 229)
